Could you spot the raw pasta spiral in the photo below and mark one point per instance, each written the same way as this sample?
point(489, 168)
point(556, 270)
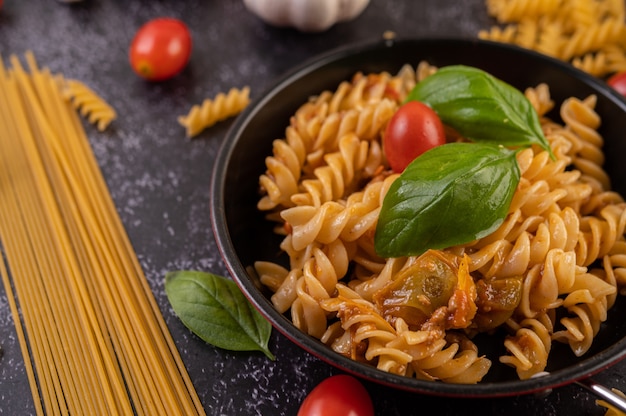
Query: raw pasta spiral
point(214, 110)
point(609, 59)
point(590, 34)
point(593, 37)
point(89, 104)
point(516, 10)
point(559, 258)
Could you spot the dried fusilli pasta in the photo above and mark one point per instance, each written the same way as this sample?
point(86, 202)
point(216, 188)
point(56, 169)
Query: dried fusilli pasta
point(88, 103)
point(516, 10)
point(211, 111)
point(590, 34)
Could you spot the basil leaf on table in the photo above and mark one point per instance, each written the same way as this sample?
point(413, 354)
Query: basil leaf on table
point(480, 107)
point(214, 309)
point(450, 195)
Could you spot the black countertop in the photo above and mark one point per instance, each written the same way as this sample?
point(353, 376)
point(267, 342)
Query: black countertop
point(159, 179)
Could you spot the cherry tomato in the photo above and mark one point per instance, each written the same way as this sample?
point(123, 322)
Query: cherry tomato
point(338, 395)
point(618, 82)
point(160, 49)
point(413, 129)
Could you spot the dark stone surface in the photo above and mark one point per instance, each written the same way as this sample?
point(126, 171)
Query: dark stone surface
point(160, 180)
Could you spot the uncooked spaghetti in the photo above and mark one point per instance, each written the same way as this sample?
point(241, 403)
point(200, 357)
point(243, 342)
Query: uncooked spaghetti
point(92, 336)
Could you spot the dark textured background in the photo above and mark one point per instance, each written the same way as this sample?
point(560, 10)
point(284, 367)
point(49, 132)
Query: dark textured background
point(160, 180)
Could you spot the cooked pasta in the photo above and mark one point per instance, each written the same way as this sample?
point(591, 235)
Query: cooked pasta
point(92, 336)
point(353, 115)
point(211, 111)
point(90, 104)
point(560, 253)
point(590, 34)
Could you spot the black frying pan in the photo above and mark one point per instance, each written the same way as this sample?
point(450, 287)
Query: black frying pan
point(244, 236)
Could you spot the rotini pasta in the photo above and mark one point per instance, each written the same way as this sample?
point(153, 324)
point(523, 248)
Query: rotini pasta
point(351, 116)
point(214, 110)
point(548, 274)
point(590, 34)
point(89, 104)
point(516, 10)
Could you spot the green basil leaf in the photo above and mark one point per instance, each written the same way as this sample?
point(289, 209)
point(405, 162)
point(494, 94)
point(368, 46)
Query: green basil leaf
point(214, 309)
point(450, 195)
point(481, 107)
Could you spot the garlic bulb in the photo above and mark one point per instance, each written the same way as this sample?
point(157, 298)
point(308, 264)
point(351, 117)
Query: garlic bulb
point(306, 15)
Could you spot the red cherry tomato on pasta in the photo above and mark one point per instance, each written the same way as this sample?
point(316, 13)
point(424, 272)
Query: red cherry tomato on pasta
point(338, 395)
point(413, 129)
point(618, 82)
point(160, 49)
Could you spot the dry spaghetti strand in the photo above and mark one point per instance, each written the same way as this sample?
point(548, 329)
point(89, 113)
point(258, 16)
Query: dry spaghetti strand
point(91, 333)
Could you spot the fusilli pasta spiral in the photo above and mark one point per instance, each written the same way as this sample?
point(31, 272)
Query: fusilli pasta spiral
point(548, 274)
point(90, 104)
point(590, 34)
point(211, 111)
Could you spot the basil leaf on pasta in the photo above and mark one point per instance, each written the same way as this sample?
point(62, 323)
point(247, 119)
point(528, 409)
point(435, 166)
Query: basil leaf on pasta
point(214, 309)
point(450, 195)
point(481, 107)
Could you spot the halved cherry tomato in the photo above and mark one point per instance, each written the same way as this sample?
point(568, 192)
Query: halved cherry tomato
point(413, 129)
point(160, 49)
point(338, 395)
point(618, 82)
